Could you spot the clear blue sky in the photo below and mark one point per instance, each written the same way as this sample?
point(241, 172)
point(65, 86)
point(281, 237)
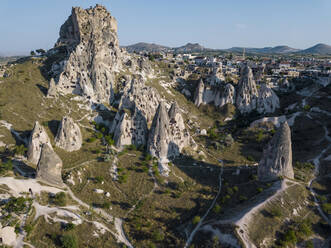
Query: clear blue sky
point(33, 24)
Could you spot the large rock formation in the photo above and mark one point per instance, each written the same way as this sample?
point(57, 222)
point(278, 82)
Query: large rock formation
point(267, 101)
point(159, 136)
point(37, 138)
point(249, 98)
point(247, 91)
point(198, 96)
point(167, 136)
point(68, 136)
point(277, 156)
point(179, 134)
point(93, 54)
point(49, 166)
point(137, 109)
point(218, 95)
point(227, 95)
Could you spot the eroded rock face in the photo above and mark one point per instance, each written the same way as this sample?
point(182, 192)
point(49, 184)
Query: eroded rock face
point(267, 101)
point(68, 136)
point(137, 109)
point(226, 96)
point(179, 134)
point(198, 96)
point(37, 138)
point(90, 37)
point(159, 136)
point(49, 166)
point(247, 91)
point(168, 135)
point(277, 156)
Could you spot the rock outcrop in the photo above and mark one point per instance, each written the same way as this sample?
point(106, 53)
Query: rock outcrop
point(249, 98)
point(277, 156)
point(49, 166)
point(93, 54)
point(52, 91)
point(68, 136)
point(267, 101)
point(247, 91)
point(198, 96)
point(37, 138)
point(218, 95)
point(159, 136)
point(137, 109)
point(167, 136)
point(179, 134)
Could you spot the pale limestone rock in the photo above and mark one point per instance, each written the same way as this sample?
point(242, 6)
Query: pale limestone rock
point(68, 136)
point(52, 91)
point(90, 37)
point(37, 138)
point(247, 91)
point(277, 156)
point(159, 137)
point(198, 97)
point(267, 101)
point(49, 167)
point(8, 236)
point(168, 135)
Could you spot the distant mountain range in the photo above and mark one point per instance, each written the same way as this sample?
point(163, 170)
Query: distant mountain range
point(266, 50)
point(319, 49)
point(151, 47)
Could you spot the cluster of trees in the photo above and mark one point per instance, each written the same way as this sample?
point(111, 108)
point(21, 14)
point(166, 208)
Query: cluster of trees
point(38, 51)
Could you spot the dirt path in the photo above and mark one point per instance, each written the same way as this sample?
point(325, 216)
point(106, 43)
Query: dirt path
point(190, 238)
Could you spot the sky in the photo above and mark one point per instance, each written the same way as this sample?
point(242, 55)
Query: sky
point(26, 25)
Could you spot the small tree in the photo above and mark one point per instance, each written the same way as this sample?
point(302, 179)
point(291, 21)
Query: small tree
point(41, 51)
point(32, 53)
point(196, 220)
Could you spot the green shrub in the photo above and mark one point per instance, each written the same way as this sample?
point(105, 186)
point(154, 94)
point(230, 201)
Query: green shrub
point(90, 140)
point(28, 229)
point(99, 179)
point(242, 198)
point(259, 189)
point(276, 212)
point(6, 166)
point(69, 227)
point(158, 235)
point(250, 158)
point(106, 205)
point(196, 220)
point(217, 209)
point(16, 205)
point(290, 237)
point(326, 208)
point(69, 241)
point(20, 150)
point(60, 199)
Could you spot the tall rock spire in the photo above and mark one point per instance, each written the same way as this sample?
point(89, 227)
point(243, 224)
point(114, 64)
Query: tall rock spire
point(198, 96)
point(90, 38)
point(277, 156)
point(37, 138)
point(247, 92)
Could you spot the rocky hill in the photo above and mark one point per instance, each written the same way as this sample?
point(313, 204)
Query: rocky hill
point(265, 50)
point(104, 148)
point(319, 49)
point(146, 47)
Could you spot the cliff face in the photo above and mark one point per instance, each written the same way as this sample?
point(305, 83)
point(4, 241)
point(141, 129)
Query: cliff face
point(93, 54)
point(277, 156)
